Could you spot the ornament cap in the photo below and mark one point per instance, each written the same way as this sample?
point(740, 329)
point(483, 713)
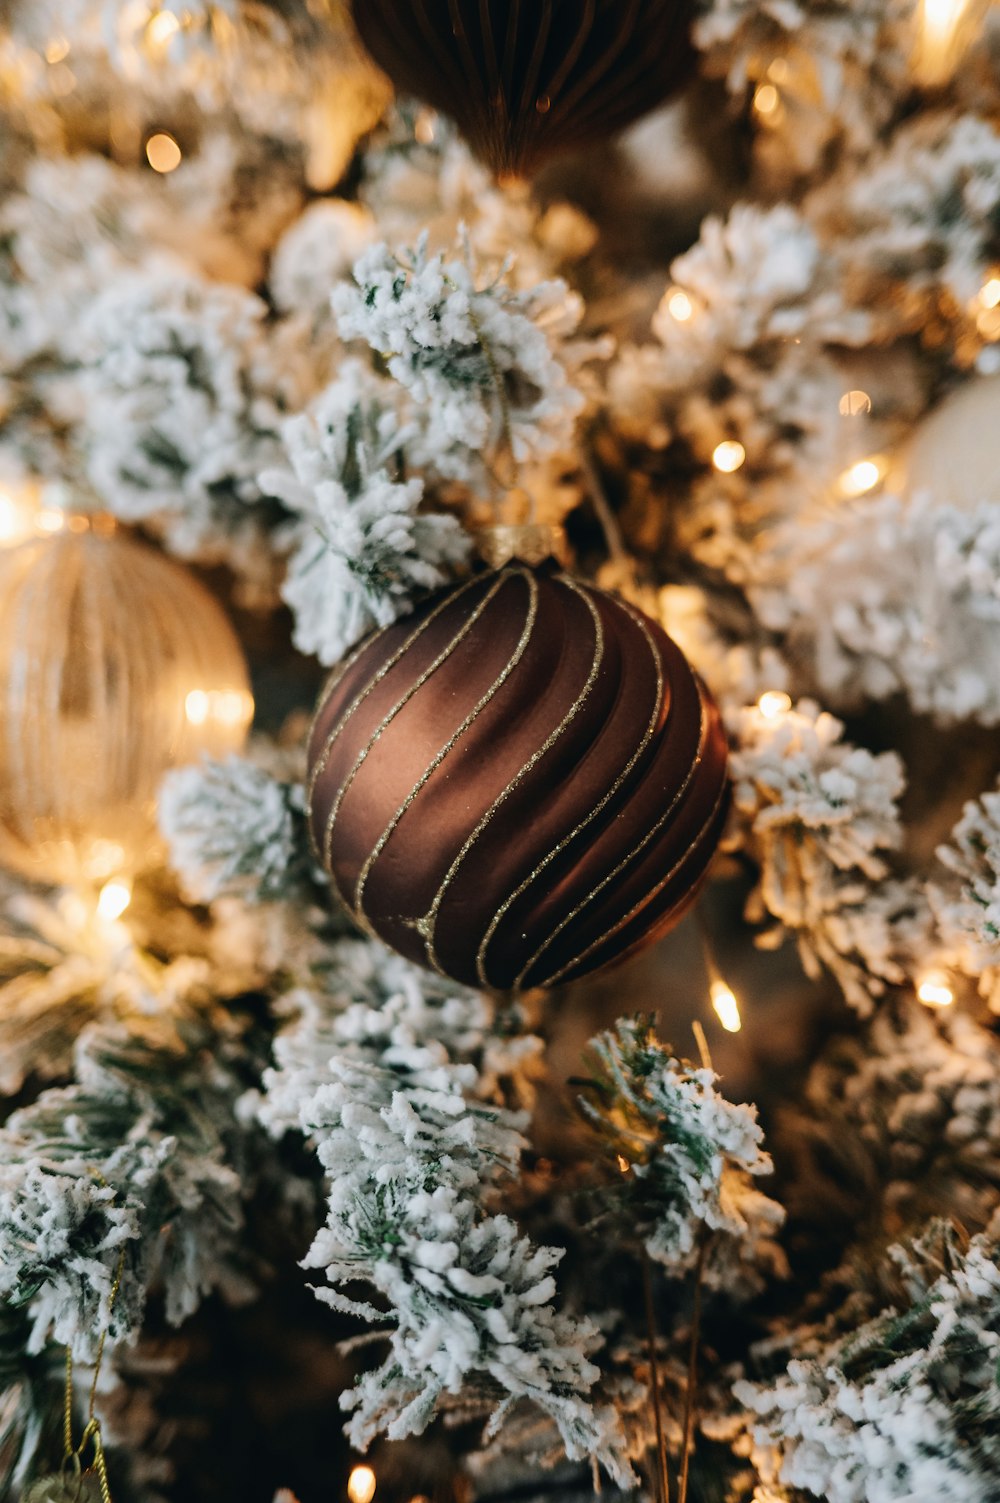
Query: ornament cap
point(530, 543)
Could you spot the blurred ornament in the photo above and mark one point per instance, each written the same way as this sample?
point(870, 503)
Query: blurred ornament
point(527, 81)
point(115, 665)
point(521, 783)
point(954, 455)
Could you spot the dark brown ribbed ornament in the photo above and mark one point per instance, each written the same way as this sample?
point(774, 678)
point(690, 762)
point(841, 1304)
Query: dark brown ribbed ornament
point(520, 783)
point(528, 79)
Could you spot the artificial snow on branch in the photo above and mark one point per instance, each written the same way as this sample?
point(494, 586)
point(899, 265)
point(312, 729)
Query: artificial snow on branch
point(819, 817)
point(686, 1159)
point(393, 1078)
point(480, 360)
point(362, 551)
point(233, 830)
point(908, 1405)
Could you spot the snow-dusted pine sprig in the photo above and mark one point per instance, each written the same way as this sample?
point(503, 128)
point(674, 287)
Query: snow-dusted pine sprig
point(907, 1406)
point(819, 817)
point(686, 1159)
point(892, 595)
point(393, 1077)
point(233, 830)
point(479, 359)
point(362, 550)
point(897, 1123)
point(135, 1157)
point(182, 412)
point(967, 908)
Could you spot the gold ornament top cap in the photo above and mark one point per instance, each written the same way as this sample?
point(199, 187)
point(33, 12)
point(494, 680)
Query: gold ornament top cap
point(525, 543)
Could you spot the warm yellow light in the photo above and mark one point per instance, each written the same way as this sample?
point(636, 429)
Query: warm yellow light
point(988, 323)
point(13, 523)
point(861, 477)
point(989, 293)
point(778, 70)
point(162, 152)
point(678, 304)
point(934, 990)
point(729, 456)
point(855, 403)
point(774, 704)
point(623, 1163)
point(197, 706)
point(114, 898)
point(942, 33)
point(766, 100)
point(50, 520)
point(361, 1485)
point(162, 27)
point(425, 127)
point(727, 1009)
point(226, 706)
point(57, 49)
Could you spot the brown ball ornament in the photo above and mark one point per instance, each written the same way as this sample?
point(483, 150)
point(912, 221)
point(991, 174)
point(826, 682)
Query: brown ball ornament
point(529, 79)
point(521, 783)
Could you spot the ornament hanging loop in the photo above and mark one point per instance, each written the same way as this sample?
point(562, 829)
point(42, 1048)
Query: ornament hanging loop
point(531, 543)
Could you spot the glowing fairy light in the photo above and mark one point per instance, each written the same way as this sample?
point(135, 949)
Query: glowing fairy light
point(855, 403)
point(361, 1485)
point(56, 50)
point(944, 27)
point(162, 28)
point(934, 990)
point(774, 704)
point(727, 1009)
point(162, 152)
point(679, 305)
point(766, 100)
point(114, 898)
point(729, 456)
point(425, 127)
point(989, 294)
point(860, 478)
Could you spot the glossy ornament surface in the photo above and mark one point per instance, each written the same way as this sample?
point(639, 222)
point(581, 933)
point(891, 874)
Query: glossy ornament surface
point(115, 665)
point(521, 783)
point(528, 79)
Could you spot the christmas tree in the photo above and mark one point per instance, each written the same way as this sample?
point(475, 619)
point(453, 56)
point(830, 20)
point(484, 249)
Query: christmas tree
point(560, 1049)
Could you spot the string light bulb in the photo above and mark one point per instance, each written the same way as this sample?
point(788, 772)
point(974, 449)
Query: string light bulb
point(727, 1008)
point(774, 704)
point(855, 403)
point(989, 293)
point(361, 1485)
point(678, 304)
point(860, 478)
point(162, 152)
point(934, 989)
point(729, 456)
point(766, 100)
point(114, 898)
point(162, 27)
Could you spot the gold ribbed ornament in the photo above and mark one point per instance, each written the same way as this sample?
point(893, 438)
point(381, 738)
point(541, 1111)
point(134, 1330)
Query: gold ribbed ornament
point(115, 665)
point(528, 79)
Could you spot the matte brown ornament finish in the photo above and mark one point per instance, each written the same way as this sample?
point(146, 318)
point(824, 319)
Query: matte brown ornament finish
point(528, 79)
point(521, 783)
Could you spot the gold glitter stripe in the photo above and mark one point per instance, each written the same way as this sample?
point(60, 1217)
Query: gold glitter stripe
point(598, 808)
point(691, 849)
point(348, 663)
point(450, 744)
point(427, 925)
point(650, 835)
point(400, 704)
